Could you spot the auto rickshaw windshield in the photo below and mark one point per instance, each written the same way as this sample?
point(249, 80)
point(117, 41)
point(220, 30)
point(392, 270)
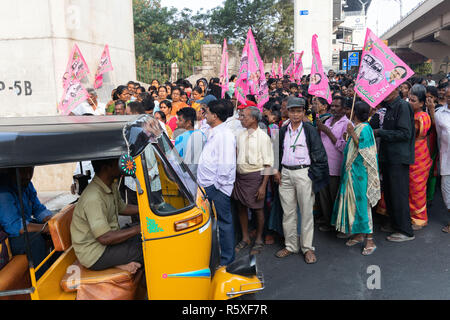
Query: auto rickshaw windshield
point(139, 133)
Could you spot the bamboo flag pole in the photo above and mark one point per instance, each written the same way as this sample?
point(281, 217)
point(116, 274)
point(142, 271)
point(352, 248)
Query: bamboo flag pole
point(353, 106)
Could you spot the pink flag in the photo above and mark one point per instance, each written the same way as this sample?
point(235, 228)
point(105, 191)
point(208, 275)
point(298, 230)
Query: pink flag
point(104, 66)
point(224, 69)
point(290, 70)
point(298, 68)
point(251, 79)
point(318, 83)
point(280, 68)
point(76, 68)
point(74, 93)
point(380, 72)
point(273, 75)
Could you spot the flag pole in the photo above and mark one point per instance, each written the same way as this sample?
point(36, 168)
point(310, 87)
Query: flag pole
point(351, 114)
point(353, 106)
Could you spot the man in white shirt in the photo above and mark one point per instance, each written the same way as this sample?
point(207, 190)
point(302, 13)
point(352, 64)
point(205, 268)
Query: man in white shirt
point(216, 172)
point(430, 81)
point(442, 120)
point(91, 106)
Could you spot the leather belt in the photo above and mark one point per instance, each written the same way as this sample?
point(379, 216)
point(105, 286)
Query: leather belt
point(302, 166)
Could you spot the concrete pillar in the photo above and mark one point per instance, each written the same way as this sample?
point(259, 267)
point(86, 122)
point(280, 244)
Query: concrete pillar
point(36, 40)
point(438, 52)
point(313, 17)
point(37, 37)
point(443, 36)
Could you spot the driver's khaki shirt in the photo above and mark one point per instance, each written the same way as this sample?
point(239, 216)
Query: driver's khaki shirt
point(95, 214)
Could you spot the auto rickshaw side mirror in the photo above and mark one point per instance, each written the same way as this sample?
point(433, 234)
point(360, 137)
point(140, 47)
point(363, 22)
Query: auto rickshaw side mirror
point(127, 168)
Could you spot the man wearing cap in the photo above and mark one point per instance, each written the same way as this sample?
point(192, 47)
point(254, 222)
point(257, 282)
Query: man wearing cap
point(304, 172)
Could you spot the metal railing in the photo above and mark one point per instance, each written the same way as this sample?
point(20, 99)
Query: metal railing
point(148, 70)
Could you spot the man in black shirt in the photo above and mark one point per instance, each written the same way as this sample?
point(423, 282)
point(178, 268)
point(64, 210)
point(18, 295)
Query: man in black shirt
point(396, 154)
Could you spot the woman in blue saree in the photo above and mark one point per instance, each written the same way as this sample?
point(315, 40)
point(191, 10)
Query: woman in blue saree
point(360, 184)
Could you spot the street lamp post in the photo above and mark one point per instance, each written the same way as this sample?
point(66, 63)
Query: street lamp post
point(400, 2)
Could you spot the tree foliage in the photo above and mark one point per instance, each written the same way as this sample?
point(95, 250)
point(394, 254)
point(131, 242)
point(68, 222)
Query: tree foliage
point(159, 32)
point(166, 35)
point(272, 24)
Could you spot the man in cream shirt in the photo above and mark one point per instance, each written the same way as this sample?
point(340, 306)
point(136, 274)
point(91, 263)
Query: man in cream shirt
point(254, 161)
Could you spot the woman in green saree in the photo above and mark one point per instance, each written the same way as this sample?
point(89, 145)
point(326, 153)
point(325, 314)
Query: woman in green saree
point(359, 190)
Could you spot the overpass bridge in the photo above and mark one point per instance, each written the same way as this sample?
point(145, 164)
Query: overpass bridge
point(423, 34)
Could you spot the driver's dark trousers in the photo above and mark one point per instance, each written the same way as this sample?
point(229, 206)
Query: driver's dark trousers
point(121, 253)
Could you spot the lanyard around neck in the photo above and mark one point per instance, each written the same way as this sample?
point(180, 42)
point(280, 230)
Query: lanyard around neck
point(293, 146)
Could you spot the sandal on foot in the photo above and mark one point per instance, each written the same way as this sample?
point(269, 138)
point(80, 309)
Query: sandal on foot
point(242, 245)
point(446, 229)
point(399, 237)
point(353, 242)
point(310, 257)
point(257, 248)
point(367, 251)
point(283, 253)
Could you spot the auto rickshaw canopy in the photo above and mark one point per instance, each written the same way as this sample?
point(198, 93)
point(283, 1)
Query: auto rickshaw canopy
point(30, 141)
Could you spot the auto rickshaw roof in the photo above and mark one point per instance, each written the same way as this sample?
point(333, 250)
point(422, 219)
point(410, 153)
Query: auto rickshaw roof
point(27, 141)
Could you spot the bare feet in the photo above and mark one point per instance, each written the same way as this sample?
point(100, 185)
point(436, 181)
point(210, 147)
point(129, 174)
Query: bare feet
point(131, 267)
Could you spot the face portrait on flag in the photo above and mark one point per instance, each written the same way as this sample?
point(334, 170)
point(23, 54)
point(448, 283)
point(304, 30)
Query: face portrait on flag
point(397, 73)
point(380, 72)
point(318, 82)
point(316, 78)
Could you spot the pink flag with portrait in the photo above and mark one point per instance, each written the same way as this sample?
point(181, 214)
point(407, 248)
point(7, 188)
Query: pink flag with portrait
point(104, 66)
point(224, 81)
point(380, 71)
point(74, 93)
point(251, 78)
point(318, 82)
point(298, 68)
point(280, 68)
point(77, 67)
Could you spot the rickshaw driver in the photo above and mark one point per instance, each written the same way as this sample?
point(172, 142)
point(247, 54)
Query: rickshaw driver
point(36, 215)
point(97, 239)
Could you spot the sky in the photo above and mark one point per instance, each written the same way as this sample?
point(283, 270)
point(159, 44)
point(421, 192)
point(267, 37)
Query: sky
point(194, 5)
point(382, 14)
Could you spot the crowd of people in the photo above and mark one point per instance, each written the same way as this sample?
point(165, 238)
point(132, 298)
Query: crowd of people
point(332, 165)
point(298, 163)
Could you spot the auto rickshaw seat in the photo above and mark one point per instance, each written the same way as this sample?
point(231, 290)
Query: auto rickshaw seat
point(15, 275)
point(59, 227)
point(109, 284)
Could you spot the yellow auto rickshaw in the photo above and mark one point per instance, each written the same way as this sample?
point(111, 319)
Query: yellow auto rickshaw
point(178, 223)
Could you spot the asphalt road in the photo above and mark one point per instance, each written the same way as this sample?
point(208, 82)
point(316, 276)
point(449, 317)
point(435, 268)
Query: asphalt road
point(418, 269)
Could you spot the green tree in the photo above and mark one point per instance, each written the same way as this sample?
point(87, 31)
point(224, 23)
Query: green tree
point(272, 24)
point(153, 26)
point(187, 49)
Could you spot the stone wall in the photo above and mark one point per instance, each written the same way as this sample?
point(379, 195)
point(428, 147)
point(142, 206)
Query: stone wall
point(211, 60)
